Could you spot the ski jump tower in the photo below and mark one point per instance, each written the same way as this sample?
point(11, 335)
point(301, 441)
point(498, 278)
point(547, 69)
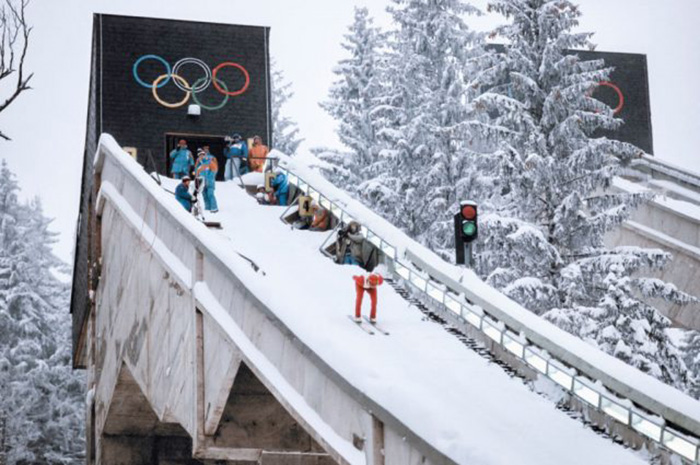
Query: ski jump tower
point(141, 71)
point(203, 347)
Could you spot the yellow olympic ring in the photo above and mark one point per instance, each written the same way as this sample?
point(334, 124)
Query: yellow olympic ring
point(181, 80)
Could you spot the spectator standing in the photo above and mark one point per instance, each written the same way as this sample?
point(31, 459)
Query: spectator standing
point(258, 154)
point(181, 160)
point(236, 154)
point(207, 167)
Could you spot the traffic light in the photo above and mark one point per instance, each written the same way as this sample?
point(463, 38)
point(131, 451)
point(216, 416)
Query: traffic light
point(466, 231)
point(469, 228)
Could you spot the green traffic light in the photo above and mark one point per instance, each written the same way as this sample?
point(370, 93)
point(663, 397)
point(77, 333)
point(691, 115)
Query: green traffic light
point(469, 228)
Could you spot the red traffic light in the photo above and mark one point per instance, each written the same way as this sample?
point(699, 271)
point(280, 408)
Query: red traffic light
point(468, 212)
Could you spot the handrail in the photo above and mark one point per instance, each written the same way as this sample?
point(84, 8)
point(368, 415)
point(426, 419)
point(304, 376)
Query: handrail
point(680, 174)
point(594, 385)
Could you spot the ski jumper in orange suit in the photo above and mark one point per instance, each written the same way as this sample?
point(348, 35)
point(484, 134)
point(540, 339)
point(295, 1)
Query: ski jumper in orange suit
point(367, 283)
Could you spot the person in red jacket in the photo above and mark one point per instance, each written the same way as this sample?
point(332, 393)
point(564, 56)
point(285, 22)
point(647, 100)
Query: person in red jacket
point(368, 283)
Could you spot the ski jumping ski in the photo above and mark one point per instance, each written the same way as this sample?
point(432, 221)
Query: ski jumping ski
point(360, 325)
point(378, 328)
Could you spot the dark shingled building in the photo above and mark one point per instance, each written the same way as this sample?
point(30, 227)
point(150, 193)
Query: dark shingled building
point(627, 93)
point(153, 82)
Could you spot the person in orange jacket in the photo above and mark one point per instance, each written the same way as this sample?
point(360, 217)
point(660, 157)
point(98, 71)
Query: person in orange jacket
point(321, 218)
point(368, 283)
point(206, 168)
point(257, 154)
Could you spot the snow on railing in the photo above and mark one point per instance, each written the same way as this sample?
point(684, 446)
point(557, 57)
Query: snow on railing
point(592, 392)
point(680, 174)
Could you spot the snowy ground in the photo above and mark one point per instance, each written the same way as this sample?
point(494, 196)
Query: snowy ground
point(468, 409)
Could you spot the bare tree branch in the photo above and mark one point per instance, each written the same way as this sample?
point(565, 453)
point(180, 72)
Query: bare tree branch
point(3, 23)
point(14, 42)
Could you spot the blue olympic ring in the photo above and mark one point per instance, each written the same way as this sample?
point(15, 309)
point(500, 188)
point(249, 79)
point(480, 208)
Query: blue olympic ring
point(152, 57)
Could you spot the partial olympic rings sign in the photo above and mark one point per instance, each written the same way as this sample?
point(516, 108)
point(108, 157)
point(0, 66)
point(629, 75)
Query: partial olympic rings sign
point(620, 96)
point(209, 76)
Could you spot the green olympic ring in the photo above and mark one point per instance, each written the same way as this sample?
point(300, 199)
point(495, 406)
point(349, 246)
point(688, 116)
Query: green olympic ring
point(207, 107)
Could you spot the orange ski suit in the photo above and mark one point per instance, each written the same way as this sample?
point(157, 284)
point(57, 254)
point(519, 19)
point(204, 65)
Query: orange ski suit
point(256, 157)
point(369, 284)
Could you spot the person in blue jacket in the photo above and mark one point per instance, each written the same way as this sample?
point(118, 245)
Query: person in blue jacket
point(181, 160)
point(182, 194)
point(236, 153)
point(207, 167)
point(281, 186)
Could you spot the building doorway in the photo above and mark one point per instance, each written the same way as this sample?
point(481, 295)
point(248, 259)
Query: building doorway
point(195, 141)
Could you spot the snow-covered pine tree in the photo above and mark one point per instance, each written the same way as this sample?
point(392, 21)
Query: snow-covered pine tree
point(351, 99)
point(542, 240)
point(423, 120)
point(41, 400)
point(285, 132)
point(691, 356)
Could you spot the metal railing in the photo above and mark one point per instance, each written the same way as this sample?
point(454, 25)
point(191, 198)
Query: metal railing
point(661, 169)
point(592, 392)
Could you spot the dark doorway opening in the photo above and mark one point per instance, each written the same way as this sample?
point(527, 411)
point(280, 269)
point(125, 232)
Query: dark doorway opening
point(195, 141)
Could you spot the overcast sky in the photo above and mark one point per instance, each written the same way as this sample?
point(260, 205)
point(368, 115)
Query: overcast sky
point(47, 124)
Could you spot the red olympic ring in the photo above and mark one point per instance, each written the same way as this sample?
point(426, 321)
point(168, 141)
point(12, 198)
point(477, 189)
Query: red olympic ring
point(235, 65)
point(620, 96)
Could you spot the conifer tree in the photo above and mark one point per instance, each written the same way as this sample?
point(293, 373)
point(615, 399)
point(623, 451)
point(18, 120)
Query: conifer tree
point(352, 98)
point(41, 406)
point(423, 117)
point(691, 355)
point(551, 204)
point(285, 131)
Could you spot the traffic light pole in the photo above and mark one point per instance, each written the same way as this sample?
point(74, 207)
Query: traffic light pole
point(466, 231)
point(468, 258)
point(460, 246)
point(463, 249)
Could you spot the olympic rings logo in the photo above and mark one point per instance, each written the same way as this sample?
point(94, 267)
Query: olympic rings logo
point(618, 92)
point(191, 91)
point(620, 96)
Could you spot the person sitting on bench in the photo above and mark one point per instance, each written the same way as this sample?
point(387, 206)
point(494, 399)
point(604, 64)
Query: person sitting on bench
point(182, 194)
point(348, 249)
point(263, 197)
point(321, 218)
point(281, 186)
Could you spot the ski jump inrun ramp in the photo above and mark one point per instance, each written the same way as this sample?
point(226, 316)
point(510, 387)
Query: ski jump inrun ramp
point(234, 346)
